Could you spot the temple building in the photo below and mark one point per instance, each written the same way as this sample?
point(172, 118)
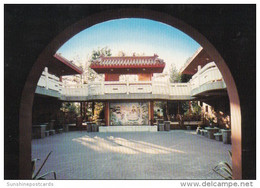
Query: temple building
point(129, 111)
point(116, 101)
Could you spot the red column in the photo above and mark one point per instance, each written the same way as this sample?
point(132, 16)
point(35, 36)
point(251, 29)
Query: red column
point(151, 113)
point(80, 108)
point(167, 111)
point(84, 110)
point(107, 113)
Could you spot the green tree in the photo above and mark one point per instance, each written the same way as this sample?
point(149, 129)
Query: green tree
point(89, 73)
point(185, 78)
point(175, 76)
point(71, 107)
point(100, 52)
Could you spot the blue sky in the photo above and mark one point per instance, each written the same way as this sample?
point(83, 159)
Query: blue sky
point(132, 35)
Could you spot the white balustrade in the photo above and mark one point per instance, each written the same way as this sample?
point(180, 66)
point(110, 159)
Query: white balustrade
point(160, 87)
point(110, 89)
point(95, 88)
point(209, 73)
point(140, 87)
point(42, 81)
point(50, 82)
point(180, 89)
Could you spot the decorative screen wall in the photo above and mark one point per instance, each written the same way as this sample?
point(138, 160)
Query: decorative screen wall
point(129, 113)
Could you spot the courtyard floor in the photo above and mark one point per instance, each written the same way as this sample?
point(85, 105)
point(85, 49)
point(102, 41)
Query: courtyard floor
point(177, 154)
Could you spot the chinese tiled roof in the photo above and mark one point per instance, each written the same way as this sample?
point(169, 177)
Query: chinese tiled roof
point(128, 62)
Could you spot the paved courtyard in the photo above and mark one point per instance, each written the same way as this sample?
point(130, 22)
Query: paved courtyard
point(177, 154)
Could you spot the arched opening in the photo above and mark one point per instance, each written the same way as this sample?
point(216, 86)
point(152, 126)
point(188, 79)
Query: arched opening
point(29, 88)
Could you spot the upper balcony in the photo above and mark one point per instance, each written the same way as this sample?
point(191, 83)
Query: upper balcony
point(207, 79)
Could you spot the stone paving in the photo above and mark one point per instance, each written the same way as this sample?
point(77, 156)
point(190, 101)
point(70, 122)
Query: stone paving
point(177, 154)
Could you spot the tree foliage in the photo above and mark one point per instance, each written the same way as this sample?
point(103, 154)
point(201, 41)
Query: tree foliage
point(101, 52)
point(90, 74)
point(195, 108)
point(175, 76)
point(70, 107)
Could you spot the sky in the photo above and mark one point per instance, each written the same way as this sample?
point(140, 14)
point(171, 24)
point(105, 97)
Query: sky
point(132, 35)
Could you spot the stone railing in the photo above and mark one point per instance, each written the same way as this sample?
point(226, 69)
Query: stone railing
point(209, 73)
point(149, 87)
point(49, 81)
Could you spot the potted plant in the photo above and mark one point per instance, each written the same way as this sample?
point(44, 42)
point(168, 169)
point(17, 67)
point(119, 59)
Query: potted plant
point(224, 169)
point(211, 121)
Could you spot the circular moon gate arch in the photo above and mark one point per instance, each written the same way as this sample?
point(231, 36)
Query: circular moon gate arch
point(25, 111)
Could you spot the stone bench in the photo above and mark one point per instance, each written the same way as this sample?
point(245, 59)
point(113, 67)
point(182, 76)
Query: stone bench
point(204, 132)
point(59, 131)
point(211, 131)
point(38, 131)
point(94, 128)
point(89, 126)
point(218, 136)
point(188, 128)
point(47, 133)
point(66, 127)
point(159, 121)
point(52, 132)
point(174, 125)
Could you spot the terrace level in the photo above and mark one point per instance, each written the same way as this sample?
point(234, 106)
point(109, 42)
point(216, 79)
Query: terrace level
point(206, 82)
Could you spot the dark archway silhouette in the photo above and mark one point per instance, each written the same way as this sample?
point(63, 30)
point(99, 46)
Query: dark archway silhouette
point(115, 13)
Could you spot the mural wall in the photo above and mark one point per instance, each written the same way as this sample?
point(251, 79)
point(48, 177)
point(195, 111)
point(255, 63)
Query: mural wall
point(129, 113)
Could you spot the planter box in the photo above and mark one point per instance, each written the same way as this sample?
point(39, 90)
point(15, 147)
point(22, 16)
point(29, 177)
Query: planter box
point(167, 125)
point(52, 132)
point(204, 132)
point(59, 131)
point(89, 127)
point(174, 125)
point(66, 128)
point(38, 131)
point(94, 128)
point(226, 136)
point(47, 133)
point(218, 136)
point(159, 121)
point(99, 122)
point(188, 127)
point(161, 127)
point(212, 131)
point(211, 134)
